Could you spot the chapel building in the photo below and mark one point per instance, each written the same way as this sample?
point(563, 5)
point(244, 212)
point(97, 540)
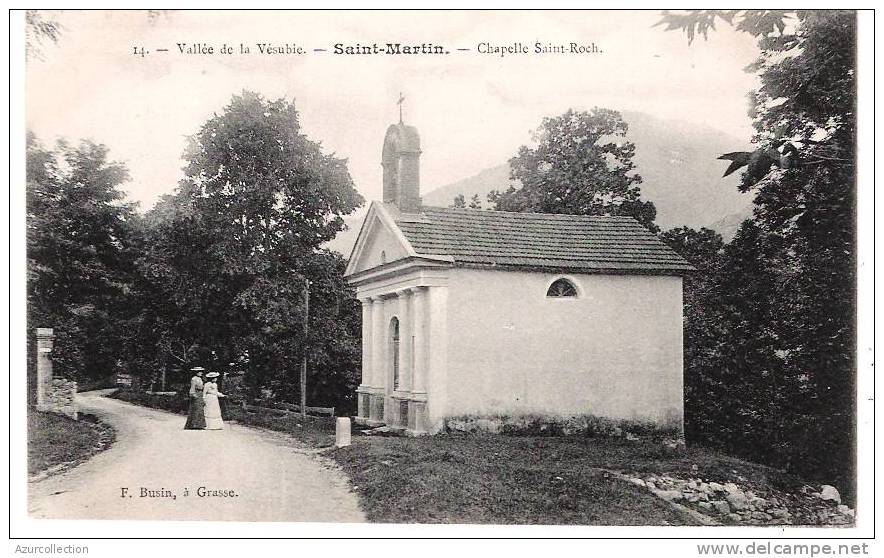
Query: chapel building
point(488, 313)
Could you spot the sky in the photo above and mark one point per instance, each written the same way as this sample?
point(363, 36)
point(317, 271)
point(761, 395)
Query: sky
point(472, 110)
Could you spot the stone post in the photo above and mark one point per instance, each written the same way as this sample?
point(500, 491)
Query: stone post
point(342, 432)
point(45, 337)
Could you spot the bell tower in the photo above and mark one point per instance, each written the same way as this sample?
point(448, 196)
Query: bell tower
point(401, 162)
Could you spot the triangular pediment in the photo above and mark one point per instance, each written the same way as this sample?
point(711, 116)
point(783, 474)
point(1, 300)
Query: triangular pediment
point(379, 242)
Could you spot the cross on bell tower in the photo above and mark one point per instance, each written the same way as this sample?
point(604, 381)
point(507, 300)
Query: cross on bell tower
point(401, 162)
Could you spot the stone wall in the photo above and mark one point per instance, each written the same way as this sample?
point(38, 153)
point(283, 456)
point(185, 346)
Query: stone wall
point(61, 398)
point(54, 395)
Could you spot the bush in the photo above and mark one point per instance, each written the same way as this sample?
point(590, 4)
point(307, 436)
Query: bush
point(99, 383)
point(316, 431)
point(176, 403)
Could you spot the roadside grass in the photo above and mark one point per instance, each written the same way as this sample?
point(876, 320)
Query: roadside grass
point(496, 479)
point(515, 478)
point(54, 440)
point(317, 432)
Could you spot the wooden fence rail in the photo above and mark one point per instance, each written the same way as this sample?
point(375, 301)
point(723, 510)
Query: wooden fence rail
point(286, 408)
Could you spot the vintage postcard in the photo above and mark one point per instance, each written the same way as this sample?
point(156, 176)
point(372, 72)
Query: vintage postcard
point(411, 271)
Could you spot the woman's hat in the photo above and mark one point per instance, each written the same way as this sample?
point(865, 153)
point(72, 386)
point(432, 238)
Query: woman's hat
point(212, 375)
point(197, 369)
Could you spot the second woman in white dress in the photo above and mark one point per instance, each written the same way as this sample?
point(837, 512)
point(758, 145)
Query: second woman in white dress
point(210, 397)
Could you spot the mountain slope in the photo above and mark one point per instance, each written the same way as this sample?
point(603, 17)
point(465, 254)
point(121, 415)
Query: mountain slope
point(677, 160)
point(679, 165)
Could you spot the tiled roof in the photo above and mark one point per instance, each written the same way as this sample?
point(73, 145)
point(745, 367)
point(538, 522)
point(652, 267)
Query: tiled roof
point(536, 240)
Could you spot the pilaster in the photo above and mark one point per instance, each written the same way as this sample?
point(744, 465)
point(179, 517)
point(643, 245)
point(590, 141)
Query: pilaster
point(406, 341)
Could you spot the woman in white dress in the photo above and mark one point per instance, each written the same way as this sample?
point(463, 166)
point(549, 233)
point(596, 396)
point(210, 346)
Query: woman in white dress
point(210, 397)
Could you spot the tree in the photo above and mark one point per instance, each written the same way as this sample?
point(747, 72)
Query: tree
point(459, 202)
point(755, 22)
point(811, 206)
point(186, 312)
point(81, 250)
point(802, 234)
point(232, 250)
point(39, 28)
point(270, 193)
point(729, 360)
point(582, 165)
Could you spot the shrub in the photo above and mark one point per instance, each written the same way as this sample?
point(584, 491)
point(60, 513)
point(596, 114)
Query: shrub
point(176, 403)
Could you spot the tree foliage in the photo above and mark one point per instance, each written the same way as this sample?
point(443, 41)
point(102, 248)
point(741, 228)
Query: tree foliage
point(700, 22)
point(269, 192)
point(771, 333)
point(582, 165)
point(232, 253)
point(214, 274)
point(81, 251)
point(39, 29)
point(460, 201)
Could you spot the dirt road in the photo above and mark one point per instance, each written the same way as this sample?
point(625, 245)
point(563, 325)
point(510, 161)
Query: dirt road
point(158, 470)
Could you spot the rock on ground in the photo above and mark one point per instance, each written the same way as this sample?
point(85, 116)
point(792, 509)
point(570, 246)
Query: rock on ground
point(731, 502)
point(830, 493)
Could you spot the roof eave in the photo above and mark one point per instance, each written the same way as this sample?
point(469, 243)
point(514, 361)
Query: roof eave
point(673, 271)
point(397, 266)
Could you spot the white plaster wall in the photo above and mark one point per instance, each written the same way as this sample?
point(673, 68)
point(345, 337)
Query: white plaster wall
point(615, 351)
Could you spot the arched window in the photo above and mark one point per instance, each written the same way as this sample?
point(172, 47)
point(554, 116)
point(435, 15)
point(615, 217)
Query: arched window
point(394, 350)
point(561, 288)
